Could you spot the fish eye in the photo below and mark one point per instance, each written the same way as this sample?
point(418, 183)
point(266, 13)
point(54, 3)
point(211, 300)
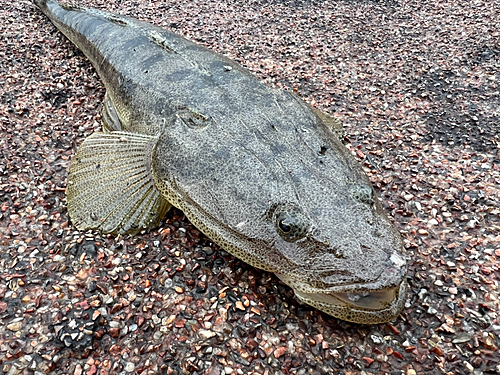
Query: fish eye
point(284, 226)
point(291, 223)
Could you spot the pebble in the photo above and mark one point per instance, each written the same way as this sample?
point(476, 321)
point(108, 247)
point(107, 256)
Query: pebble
point(469, 367)
point(431, 310)
point(59, 258)
point(461, 338)
point(15, 326)
point(368, 361)
point(129, 367)
point(156, 319)
point(377, 339)
point(206, 334)
point(78, 370)
point(280, 351)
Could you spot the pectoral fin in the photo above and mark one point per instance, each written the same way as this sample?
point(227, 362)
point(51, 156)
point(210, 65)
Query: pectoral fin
point(111, 120)
point(110, 185)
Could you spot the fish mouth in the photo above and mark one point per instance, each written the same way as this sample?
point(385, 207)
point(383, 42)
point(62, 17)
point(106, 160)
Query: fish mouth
point(370, 300)
point(358, 306)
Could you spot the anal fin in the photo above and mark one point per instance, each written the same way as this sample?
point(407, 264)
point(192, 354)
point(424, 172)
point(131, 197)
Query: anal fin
point(110, 185)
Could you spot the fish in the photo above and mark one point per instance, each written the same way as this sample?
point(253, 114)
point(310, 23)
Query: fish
point(259, 171)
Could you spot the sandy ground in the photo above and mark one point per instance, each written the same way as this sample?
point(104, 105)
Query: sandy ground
point(416, 84)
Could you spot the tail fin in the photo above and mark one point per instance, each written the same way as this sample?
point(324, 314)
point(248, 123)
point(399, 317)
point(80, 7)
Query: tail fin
point(46, 5)
point(40, 3)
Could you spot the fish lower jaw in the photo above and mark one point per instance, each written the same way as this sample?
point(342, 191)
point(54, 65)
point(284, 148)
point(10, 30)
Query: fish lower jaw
point(370, 300)
point(362, 307)
point(374, 308)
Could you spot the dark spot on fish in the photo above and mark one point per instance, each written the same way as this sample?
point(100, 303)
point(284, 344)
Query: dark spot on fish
point(337, 253)
point(98, 166)
point(151, 61)
point(116, 20)
point(323, 150)
point(7, 97)
point(193, 119)
point(160, 41)
point(70, 7)
point(162, 172)
point(278, 149)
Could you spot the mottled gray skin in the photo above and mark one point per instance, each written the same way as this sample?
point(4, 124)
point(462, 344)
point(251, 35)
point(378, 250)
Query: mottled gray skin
point(255, 168)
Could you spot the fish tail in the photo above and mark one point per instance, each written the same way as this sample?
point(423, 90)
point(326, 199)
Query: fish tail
point(81, 26)
point(42, 4)
point(48, 7)
point(62, 16)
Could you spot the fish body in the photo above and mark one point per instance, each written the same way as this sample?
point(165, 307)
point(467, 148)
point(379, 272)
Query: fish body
point(256, 169)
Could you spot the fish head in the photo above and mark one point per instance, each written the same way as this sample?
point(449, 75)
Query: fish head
point(347, 260)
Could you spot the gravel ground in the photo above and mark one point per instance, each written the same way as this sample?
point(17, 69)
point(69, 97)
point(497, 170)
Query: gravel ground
point(416, 84)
